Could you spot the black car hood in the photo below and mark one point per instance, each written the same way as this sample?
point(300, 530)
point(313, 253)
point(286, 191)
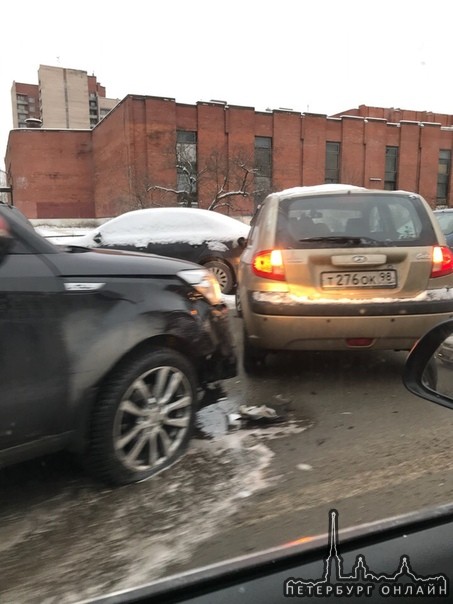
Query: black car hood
point(73, 261)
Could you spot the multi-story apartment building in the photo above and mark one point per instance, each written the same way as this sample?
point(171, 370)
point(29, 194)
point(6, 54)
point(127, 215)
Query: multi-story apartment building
point(154, 151)
point(64, 98)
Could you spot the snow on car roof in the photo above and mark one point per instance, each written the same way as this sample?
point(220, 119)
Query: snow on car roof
point(168, 225)
point(335, 188)
point(325, 188)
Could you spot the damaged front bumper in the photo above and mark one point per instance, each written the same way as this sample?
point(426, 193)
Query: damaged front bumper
point(220, 360)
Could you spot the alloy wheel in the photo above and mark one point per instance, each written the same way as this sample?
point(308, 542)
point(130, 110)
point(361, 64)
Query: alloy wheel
point(153, 418)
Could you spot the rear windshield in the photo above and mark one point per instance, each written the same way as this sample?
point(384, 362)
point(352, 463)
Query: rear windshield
point(359, 220)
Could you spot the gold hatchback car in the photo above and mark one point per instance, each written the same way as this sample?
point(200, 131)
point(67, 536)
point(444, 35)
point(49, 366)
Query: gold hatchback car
point(336, 267)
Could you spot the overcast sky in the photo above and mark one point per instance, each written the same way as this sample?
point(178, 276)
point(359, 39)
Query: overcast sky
point(322, 56)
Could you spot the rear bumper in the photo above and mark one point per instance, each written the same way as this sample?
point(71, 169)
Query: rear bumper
point(332, 333)
point(283, 304)
point(389, 325)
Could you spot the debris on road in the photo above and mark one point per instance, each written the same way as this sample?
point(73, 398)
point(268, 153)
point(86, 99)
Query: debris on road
point(262, 414)
point(219, 415)
point(304, 466)
point(234, 420)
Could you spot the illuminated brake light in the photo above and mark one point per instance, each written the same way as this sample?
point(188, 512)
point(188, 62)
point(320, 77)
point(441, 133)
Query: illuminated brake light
point(442, 261)
point(269, 264)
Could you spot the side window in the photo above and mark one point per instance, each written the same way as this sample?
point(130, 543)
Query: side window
point(254, 225)
point(255, 215)
point(252, 234)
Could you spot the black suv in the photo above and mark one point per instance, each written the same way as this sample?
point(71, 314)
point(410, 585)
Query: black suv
point(104, 353)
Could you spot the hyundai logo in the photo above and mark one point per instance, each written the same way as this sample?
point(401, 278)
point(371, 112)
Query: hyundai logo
point(359, 259)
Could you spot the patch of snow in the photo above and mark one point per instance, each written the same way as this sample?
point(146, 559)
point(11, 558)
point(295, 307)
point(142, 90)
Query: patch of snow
point(304, 466)
point(168, 225)
point(217, 246)
point(325, 188)
point(444, 293)
point(155, 225)
point(229, 300)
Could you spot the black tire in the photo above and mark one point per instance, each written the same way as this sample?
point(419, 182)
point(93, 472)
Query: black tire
point(133, 434)
point(253, 359)
point(224, 275)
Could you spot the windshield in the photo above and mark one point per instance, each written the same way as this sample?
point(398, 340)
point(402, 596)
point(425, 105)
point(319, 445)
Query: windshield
point(155, 420)
point(333, 220)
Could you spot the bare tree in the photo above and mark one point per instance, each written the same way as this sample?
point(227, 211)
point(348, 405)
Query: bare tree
point(185, 192)
point(233, 177)
point(216, 184)
point(224, 179)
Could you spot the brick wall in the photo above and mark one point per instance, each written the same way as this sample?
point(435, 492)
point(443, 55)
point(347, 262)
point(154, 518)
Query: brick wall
point(128, 160)
point(51, 173)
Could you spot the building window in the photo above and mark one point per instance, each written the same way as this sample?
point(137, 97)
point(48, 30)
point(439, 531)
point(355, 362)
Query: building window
point(391, 168)
point(263, 167)
point(186, 167)
point(332, 174)
point(443, 177)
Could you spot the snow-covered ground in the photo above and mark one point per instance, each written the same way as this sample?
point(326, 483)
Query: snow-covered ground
point(61, 234)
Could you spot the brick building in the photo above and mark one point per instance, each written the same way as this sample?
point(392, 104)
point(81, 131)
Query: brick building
point(152, 150)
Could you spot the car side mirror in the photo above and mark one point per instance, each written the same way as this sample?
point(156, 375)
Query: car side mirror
point(6, 239)
point(428, 372)
point(242, 242)
point(97, 238)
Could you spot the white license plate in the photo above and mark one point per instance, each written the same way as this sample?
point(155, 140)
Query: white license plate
point(354, 279)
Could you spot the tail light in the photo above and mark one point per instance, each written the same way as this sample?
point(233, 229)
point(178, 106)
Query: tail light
point(269, 264)
point(442, 261)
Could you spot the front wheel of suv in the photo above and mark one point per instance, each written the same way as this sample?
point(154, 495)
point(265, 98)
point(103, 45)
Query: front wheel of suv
point(144, 417)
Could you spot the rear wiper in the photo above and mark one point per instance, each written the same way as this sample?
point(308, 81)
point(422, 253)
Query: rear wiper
point(343, 239)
